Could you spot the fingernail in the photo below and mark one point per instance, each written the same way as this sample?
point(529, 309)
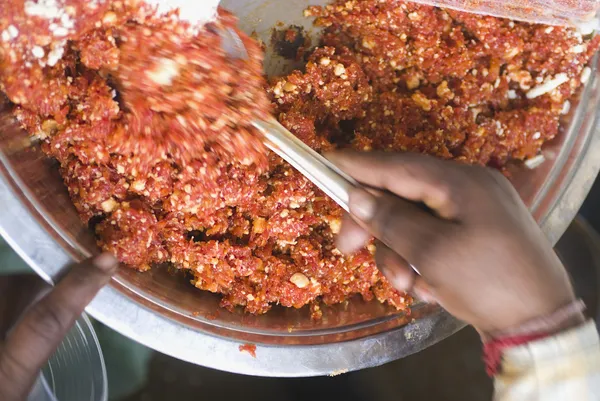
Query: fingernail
point(106, 262)
point(386, 273)
point(362, 205)
point(350, 240)
point(342, 245)
point(398, 281)
point(424, 294)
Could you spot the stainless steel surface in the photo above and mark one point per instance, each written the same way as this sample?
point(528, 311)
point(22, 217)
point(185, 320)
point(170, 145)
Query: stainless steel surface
point(164, 312)
point(331, 180)
point(232, 44)
point(320, 171)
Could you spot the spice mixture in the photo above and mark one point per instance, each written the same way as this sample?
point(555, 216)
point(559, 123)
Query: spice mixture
point(150, 122)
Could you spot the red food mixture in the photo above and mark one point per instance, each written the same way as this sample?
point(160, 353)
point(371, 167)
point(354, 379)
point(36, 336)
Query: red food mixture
point(401, 76)
point(150, 123)
point(249, 348)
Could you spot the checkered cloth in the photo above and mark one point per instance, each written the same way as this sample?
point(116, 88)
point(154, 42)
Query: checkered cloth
point(564, 367)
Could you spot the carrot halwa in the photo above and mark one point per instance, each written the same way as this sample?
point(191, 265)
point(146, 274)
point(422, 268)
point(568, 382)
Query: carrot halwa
point(150, 122)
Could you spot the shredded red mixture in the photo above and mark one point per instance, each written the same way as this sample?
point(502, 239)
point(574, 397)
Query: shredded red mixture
point(150, 122)
point(248, 348)
point(400, 76)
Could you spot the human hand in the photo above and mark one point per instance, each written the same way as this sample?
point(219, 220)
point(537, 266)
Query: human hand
point(42, 328)
point(478, 251)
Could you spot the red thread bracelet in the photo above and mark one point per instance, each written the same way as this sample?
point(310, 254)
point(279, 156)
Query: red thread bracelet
point(496, 343)
point(493, 350)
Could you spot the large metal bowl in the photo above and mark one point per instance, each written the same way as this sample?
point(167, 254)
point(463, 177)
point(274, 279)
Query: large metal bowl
point(166, 313)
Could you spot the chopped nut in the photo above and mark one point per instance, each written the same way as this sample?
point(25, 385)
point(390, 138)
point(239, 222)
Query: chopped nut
point(422, 101)
point(585, 75)
point(523, 78)
point(414, 16)
point(38, 52)
point(368, 43)
point(548, 86)
point(289, 87)
point(443, 91)
point(413, 82)
point(259, 225)
point(278, 89)
point(299, 280)
point(108, 205)
point(164, 73)
point(138, 185)
point(109, 18)
point(49, 127)
point(335, 225)
point(511, 53)
point(339, 70)
point(325, 61)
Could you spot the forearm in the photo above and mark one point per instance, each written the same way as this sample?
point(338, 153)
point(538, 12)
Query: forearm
point(565, 366)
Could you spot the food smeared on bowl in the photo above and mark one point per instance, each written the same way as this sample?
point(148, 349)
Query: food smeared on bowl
point(150, 122)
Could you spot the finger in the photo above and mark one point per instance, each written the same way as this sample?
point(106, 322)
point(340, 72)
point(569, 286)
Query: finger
point(397, 270)
point(415, 177)
point(352, 237)
point(38, 334)
point(423, 291)
point(405, 228)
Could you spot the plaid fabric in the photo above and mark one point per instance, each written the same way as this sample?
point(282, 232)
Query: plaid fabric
point(562, 367)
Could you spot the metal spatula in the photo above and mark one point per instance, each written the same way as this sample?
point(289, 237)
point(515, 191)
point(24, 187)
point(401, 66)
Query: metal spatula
point(320, 171)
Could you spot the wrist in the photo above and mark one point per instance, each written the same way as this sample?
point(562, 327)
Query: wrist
point(563, 319)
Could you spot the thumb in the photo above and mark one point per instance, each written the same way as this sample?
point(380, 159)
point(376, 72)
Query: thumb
point(401, 225)
point(415, 177)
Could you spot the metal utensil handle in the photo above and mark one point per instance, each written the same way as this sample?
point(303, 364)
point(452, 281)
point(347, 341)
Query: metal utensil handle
point(320, 171)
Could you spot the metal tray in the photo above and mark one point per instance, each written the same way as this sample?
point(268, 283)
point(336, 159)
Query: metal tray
point(166, 313)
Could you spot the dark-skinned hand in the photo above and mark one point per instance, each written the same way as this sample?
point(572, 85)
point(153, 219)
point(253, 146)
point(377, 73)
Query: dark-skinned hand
point(478, 251)
point(27, 344)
